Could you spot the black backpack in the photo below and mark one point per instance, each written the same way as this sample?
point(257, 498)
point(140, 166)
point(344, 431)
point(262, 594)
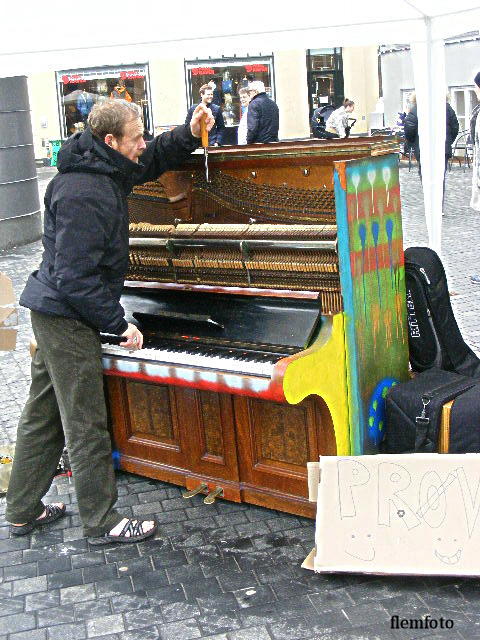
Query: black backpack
point(414, 412)
point(433, 334)
point(319, 120)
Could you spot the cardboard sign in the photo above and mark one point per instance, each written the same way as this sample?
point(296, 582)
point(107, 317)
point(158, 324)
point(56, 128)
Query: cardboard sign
point(405, 514)
point(8, 315)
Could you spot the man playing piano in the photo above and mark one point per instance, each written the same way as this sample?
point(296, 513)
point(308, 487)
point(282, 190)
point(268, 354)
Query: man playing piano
point(73, 296)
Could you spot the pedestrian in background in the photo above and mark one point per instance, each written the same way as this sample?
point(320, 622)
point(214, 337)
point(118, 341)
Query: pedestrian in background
point(337, 124)
point(217, 93)
point(216, 133)
point(413, 138)
point(242, 127)
point(262, 116)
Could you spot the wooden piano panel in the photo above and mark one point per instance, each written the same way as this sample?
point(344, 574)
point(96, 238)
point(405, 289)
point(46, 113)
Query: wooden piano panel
point(255, 450)
point(275, 443)
point(184, 436)
point(147, 429)
point(207, 419)
point(150, 413)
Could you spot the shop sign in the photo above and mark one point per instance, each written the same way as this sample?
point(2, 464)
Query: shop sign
point(203, 71)
point(256, 68)
point(131, 75)
point(75, 78)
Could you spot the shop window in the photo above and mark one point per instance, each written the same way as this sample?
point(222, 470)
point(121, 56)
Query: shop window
point(79, 90)
point(229, 75)
point(325, 77)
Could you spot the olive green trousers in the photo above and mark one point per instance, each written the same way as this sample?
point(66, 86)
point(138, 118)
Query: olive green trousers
point(66, 406)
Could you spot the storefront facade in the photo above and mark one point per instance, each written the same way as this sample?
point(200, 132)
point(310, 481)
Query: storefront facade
point(165, 88)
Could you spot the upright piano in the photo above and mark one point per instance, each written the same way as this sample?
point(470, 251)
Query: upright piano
point(272, 301)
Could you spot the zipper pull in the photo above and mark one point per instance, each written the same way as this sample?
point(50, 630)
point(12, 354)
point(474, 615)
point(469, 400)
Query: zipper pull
point(424, 419)
point(422, 271)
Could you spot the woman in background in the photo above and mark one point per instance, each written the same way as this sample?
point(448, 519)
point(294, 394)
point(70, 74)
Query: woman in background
point(337, 123)
point(242, 127)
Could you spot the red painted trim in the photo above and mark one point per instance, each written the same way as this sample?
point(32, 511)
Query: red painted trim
point(274, 391)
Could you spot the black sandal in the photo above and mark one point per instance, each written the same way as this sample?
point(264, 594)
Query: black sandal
point(131, 532)
point(52, 512)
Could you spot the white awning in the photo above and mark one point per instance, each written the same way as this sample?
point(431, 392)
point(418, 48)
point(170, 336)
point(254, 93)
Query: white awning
point(54, 35)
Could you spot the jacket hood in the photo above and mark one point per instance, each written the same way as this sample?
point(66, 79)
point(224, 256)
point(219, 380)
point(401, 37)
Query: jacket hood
point(83, 152)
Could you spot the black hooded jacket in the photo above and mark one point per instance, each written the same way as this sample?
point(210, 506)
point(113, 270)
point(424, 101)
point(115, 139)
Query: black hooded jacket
point(85, 237)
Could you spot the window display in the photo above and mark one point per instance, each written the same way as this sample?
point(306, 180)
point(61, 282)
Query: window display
point(79, 90)
point(226, 77)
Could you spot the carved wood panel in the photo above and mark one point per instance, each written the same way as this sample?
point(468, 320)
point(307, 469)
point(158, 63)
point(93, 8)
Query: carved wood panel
point(145, 422)
point(207, 420)
point(150, 411)
point(276, 441)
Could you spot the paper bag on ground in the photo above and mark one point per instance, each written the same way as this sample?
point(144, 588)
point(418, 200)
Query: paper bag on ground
point(8, 315)
point(405, 514)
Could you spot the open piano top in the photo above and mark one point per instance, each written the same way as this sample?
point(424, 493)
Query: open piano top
point(238, 273)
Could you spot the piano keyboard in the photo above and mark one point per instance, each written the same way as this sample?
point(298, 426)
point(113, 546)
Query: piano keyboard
point(231, 360)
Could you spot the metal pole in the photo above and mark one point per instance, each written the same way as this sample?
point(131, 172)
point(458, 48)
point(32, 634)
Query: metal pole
point(20, 216)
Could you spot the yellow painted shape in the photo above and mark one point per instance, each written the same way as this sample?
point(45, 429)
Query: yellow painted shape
point(321, 370)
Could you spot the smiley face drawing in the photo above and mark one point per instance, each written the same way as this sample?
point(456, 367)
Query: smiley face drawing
point(448, 558)
point(360, 547)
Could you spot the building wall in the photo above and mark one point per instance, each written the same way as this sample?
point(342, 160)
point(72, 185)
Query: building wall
point(44, 110)
point(292, 93)
point(168, 93)
point(360, 74)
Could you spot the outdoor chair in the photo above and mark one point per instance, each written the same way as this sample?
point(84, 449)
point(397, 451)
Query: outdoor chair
point(462, 150)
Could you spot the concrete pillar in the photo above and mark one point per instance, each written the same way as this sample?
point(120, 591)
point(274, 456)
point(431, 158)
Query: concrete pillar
point(20, 216)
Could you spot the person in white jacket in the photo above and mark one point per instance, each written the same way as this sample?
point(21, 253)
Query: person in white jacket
point(337, 123)
point(244, 96)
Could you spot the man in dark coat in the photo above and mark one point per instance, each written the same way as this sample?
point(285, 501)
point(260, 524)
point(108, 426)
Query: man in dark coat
point(411, 133)
point(216, 133)
point(262, 115)
point(74, 295)
point(410, 127)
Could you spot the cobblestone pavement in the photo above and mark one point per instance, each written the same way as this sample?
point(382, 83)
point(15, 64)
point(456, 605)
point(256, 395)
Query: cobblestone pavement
point(230, 571)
